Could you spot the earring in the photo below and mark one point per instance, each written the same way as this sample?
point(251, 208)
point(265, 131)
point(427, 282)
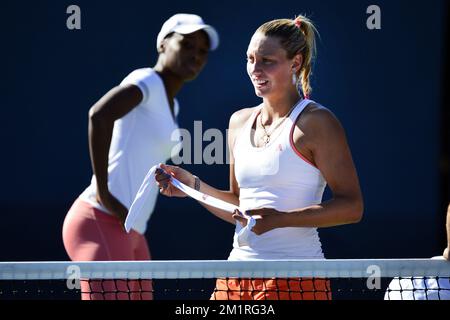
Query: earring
point(294, 79)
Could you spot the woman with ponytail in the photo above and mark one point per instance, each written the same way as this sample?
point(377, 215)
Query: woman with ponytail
point(283, 153)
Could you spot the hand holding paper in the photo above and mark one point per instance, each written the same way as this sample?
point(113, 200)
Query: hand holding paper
point(140, 204)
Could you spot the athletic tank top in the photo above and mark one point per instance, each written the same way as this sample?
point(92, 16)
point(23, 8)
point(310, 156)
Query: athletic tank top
point(277, 176)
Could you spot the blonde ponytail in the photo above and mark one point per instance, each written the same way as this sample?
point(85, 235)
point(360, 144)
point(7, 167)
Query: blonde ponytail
point(297, 36)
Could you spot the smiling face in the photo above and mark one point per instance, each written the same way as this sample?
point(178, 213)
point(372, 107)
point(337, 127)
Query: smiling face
point(268, 66)
point(186, 54)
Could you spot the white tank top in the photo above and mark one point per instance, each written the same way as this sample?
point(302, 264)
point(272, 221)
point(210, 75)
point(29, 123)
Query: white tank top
point(277, 176)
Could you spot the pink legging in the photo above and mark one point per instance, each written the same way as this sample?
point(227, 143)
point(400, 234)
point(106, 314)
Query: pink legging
point(92, 235)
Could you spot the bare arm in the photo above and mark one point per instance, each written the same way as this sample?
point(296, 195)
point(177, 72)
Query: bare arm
point(228, 196)
point(332, 156)
point(112, 106)
point(236, 122)
point(231, 195)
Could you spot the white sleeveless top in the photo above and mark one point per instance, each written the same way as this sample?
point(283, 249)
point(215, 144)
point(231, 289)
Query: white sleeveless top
point(145, 136)
point(277, 176)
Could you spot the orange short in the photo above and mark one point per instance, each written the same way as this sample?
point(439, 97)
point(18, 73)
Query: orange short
point(272, 289)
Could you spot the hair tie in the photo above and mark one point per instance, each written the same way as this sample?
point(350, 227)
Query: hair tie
point(298, 23)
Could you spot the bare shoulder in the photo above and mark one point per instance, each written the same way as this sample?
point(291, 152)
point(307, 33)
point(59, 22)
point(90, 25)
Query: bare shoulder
point(240, 117)
point(237, 121)
point(319, 119)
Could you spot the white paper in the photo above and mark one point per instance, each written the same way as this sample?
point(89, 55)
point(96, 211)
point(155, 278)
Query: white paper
point(140, 204)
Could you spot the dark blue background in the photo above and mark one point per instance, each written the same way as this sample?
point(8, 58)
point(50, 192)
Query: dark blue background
point(385, 86)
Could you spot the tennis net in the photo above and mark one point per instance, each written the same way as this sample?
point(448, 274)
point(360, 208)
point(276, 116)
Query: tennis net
point(361, 279)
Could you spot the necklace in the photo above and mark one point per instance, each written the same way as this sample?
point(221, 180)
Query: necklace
point(266, 136)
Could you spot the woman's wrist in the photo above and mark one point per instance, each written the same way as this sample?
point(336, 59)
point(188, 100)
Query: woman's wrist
point(282, 220)
point(196, 183)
